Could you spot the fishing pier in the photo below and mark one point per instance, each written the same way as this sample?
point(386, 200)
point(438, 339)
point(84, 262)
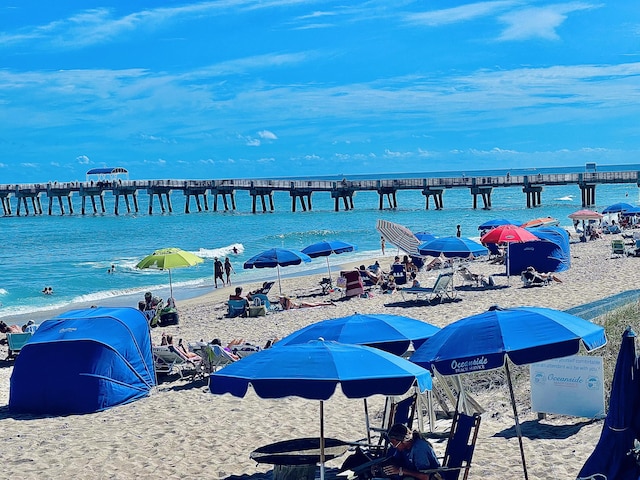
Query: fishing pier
point(27, 199)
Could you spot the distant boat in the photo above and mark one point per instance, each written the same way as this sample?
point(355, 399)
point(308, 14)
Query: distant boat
point(567, 198)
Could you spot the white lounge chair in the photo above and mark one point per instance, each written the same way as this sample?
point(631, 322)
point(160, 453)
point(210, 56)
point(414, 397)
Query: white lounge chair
point(443, 288)
point(167, 360)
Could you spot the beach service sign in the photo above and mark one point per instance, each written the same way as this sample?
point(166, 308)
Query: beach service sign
point(568, 386)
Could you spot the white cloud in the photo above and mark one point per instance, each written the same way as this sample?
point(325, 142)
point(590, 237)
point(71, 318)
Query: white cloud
point(267, 135)
point(253, 142)
point(538, 22)
point(391, 154)
point(83, 160)
point(462, 13)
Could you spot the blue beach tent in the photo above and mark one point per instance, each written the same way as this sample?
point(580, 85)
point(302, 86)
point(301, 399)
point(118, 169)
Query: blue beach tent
point(549, 254)
point(84, 361)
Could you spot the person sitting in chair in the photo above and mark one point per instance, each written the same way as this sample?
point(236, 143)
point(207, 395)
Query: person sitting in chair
point(409, 453)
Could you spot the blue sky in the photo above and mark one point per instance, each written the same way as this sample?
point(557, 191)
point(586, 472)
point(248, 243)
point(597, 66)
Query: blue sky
point(271, 88)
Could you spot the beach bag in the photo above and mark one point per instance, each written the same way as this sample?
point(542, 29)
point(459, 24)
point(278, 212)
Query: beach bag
point(341, 282)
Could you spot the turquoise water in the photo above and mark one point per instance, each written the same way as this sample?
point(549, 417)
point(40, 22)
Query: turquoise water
point(73, 253)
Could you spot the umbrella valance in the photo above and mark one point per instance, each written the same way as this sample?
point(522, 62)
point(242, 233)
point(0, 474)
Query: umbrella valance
point(313, 370)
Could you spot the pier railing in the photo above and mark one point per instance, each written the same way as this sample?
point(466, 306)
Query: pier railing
point(301, 189)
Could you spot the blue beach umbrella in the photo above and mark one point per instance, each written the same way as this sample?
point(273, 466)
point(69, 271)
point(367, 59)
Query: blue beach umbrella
point(314, 369)
point(452, 247)
point(523, 334)
point(277, 257)
point(617, 207)
point(424, 236)
point(391, 333)
point(632, 211)
point(326, 248)
point(609, 458)
point(488, 225)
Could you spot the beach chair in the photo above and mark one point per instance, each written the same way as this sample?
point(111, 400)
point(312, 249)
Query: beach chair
point(443, 288)
point(326, 285)
point(167, 359)
point(530, 279)
point(617, 248)
point(469, 278)
point(15, 342)
point(460, 447)
point(269, 308)
point(399, 273)
point(264, 290)
point(237, 308)
point(396, 411)
point(354, 286)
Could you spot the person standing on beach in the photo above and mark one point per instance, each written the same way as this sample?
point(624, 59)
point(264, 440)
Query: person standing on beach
point(218, 270)
point(228, 268)
point(382, 244)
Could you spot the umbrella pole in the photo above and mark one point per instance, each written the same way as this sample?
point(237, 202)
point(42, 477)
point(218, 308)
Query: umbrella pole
point(321, 440)
point(515, 414)
point(170, 284)
point(279, 283)
point(366, 421)
point(329, 268)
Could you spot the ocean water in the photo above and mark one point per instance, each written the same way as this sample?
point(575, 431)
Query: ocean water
point(73, 253)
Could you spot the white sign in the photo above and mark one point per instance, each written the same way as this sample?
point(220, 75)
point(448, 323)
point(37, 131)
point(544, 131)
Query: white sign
point(568, 386)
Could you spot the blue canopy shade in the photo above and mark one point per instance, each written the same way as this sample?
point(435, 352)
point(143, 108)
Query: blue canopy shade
point(617, 207)
point(551, 253)
point(276, 257)
point(391, 333)
point(524, 334)
point(452, 247)
point(609, 458)
point(497, 222)
point(312, 370)
point(84, 361)
point(326, 248)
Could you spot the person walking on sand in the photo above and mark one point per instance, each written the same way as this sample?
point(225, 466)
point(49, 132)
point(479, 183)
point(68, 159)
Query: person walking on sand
point(382, 244)
point(218, 270)
point(228, 268)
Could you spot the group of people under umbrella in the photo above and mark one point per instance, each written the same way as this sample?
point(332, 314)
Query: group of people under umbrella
point(361, 354)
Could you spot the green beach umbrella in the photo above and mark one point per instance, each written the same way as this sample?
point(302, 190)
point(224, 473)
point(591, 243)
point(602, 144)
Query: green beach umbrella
point(168, 258)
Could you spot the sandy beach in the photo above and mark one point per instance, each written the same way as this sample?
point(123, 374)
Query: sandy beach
point(182, 431)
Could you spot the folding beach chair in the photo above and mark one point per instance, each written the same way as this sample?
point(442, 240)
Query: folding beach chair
point(443, 288)
point(460, 447)
point(15, 342)
point(237, 308)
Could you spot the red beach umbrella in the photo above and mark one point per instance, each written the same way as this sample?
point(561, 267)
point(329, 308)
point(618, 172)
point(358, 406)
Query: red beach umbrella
point(508, 234)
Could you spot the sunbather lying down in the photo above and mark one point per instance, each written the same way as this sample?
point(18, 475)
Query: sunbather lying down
point(532, 275)
point(288, 303)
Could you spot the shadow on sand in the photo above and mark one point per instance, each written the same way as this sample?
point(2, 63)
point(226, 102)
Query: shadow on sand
point(534, 430)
